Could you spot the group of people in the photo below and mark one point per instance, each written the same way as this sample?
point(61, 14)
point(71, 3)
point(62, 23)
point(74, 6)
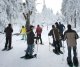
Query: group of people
point(57, 34)
point(38, 32)
point(70, 36)
point(28, 35)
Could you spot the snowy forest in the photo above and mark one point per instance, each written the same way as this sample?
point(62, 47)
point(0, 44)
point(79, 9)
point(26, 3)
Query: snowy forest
point(71, 12)
point(24, 13)
point(11, 11)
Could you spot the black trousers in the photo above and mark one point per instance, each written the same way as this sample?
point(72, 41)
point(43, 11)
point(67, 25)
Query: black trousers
point(57, 46)
point(39, 37)
point(8, 42)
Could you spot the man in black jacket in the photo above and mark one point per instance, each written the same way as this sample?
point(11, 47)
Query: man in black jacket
point(30, 43)
point(8, 31)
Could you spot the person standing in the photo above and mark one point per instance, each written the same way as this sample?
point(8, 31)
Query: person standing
point(58, 27)
point(57, 39)
point(30, 43)
point(23, 32)
point(39, 31)
point(8, 32)
point(71, 37)
point(51, 34)
point(61, 28)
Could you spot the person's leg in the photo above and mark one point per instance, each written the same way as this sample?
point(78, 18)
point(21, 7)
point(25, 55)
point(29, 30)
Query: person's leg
point(31, 49)
point(75, 59)
point(25, 37)
point(69, 60)
point(56, 47)
point(69, 52)
point(74, 51)
point(60, 43)
point(36, 38)
point(6, 43)
point(29, 53)
point(10, 41)
point(22, 37)
point(28, 48)
point(40, 39)
point(53, 44)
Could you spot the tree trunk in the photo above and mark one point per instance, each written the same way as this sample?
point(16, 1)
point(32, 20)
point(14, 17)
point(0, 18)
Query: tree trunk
point(28, 21)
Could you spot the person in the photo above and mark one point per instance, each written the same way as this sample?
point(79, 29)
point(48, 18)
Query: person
point(8, 31)
point(58, 27)
point(61, 28)
point(30, 43)
point(39, 31)
point(56, 39)
point(23, 32)
point(71, 37)
point(51, 34)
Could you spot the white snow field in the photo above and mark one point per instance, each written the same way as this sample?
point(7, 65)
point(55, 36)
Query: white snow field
point(45, 55)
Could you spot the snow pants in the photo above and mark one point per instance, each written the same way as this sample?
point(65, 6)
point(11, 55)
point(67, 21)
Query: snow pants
point(8, 42)
point(74, 52)
point(39, 37)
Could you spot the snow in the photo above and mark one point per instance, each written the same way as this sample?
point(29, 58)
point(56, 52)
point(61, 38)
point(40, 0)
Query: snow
point(45, 56)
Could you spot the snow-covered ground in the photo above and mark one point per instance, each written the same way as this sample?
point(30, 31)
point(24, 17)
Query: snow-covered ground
point(45, 56)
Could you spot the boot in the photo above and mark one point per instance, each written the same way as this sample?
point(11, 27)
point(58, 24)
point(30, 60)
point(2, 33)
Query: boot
point(69, 61)
point(56, 51)
point(75, 61)
point(60, 52)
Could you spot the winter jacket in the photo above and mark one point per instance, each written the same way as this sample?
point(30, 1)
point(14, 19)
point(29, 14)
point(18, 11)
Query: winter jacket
point(61, 28)
point(70, 36)
point(38, 30)
point(56, 34)
point(51, 33)
point(23, 30)
point(8, 32)
point(30, 38)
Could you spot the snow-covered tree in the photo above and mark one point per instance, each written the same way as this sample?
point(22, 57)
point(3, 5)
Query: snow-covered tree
point(70, 10)
point(11, 11)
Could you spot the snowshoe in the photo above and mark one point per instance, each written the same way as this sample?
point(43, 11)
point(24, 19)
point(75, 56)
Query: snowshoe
point(23, 56)
point(26, 56)
point(53, 45)
point(35, 55)
point(56, 52)
point(60, 52)
point(29, 56)
point(41, 43)
point(9, 48)
point(75, 61)
point(69, 62)
point(4, 49)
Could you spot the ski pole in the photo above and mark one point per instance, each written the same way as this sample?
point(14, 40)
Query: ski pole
point(37, 47)
point(49, 42)
point(63, 52)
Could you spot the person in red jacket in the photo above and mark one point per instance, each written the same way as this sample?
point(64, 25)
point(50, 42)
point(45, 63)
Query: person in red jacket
point(39, 31)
